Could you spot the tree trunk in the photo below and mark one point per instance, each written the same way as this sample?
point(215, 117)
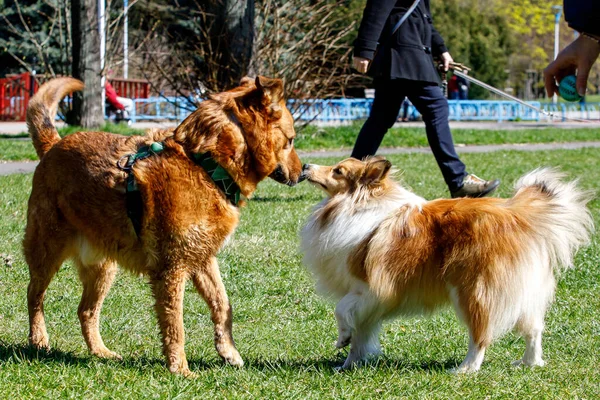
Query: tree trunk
point(87, 105)
point(234, 35)
point(240, 25)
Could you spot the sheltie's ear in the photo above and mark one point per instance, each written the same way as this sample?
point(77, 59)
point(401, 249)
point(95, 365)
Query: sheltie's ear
point(375, 171)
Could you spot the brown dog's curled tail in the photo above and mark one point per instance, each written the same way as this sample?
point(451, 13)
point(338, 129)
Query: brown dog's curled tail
point(42, 111)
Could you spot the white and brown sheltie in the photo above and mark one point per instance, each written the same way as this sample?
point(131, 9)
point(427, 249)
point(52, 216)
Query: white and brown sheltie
point(381, 251)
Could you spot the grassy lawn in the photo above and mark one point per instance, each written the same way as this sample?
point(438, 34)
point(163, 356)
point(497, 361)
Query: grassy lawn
point(284, 331)
point(590, 98)
point(19, 147)
point(314, 138)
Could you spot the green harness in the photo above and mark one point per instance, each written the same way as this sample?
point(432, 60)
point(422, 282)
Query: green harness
point(133, 196)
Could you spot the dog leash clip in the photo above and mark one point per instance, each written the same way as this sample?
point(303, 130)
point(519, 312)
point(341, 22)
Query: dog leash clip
point(126, 162)
point(143, 152)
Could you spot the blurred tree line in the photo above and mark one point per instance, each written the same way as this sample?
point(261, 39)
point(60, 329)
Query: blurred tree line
point(193, 47)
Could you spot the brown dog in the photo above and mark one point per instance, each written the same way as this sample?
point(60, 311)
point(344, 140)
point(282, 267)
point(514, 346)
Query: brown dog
point(77, 207)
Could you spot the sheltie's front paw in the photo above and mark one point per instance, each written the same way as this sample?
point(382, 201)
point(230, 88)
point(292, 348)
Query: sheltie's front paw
point(343, 341)
point(464, 369)
point(527, 363)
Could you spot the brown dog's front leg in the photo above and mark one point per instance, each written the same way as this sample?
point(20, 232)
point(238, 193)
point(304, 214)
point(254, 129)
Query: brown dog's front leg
point(210, 286)
point(168, 292)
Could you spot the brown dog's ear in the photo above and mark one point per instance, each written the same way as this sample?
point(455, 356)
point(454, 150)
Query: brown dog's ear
point(271, 88)
point(272, 92)
point(375, 171)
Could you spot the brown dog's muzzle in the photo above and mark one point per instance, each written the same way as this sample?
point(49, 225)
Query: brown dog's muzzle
point(289, 174)
point(280, 176)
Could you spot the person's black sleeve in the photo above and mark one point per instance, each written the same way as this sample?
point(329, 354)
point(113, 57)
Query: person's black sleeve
point(374, 17)
point(437, 43)
point(583, 15)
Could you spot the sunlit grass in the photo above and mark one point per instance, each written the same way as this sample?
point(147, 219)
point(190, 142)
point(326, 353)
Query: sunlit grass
point(313, 138)
point(284, 331)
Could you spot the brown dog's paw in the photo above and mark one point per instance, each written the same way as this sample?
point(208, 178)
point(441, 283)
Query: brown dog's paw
point(188, 374)
point(107, 354)
point(183, 371)
point(40, 342)
point(232, 357)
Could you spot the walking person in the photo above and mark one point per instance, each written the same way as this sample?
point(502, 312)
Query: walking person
point(402, 65)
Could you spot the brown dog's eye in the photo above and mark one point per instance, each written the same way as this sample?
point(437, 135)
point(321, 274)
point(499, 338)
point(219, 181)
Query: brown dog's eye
point(337, 171)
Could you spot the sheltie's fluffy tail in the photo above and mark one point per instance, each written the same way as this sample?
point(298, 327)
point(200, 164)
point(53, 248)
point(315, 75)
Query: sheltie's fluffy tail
point(557, 212)
point(42, 111)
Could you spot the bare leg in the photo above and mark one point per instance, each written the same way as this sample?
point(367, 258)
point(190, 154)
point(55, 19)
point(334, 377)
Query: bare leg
point(210, 286)
point(97, 280)
point(168, 292)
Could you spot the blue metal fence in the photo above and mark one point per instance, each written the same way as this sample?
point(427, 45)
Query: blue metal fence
point(344, 110)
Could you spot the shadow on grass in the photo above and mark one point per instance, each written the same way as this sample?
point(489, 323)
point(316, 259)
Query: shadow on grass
point(22, 352)
point(332, 365)
point(280, 199)
point(23, 135)
point(19, 353)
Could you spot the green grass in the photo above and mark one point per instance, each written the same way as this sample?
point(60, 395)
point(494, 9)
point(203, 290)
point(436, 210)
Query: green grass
point(19, 147)
point(284, 331)
point(314, 138)
point(590, 98)
point(593, 98)
point(121, 129)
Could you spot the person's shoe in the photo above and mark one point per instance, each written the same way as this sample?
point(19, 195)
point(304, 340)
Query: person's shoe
point(474, 186)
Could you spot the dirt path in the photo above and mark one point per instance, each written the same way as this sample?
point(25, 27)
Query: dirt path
point(19, 167)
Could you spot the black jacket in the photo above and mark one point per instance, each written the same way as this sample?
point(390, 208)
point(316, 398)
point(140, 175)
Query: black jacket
point(408, 54)
point(583, 15)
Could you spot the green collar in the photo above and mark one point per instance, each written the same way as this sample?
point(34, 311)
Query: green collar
point(220, 176)
point(216, 172)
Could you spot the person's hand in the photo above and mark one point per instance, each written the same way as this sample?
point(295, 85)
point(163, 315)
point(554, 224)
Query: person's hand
point(578, 57)
point(446, 59)
point(361, 64)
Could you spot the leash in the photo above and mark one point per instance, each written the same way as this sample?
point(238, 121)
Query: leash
point(461, 70)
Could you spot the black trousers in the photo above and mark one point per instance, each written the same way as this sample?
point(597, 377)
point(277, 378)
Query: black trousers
point(429, 100)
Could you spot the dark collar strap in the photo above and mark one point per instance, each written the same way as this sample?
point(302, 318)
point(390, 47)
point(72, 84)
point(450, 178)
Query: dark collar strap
point(217, 173)
point(220, 176)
